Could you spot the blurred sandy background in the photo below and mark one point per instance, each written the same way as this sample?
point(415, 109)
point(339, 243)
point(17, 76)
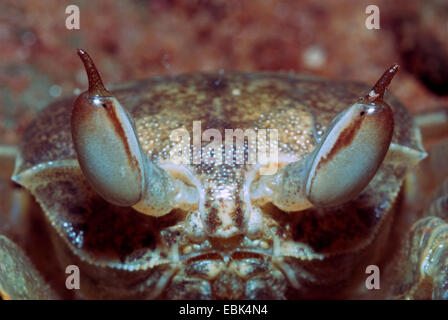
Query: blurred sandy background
point(138, 39)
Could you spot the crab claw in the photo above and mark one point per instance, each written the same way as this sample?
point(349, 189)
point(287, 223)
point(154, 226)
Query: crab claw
point(345, 160)
point(109, 153)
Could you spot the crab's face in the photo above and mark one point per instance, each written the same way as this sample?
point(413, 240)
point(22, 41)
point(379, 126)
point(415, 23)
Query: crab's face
point(218, 222)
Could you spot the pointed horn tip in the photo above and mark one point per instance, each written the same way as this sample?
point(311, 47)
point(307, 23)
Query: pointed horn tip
point(96, 86)
point(85, 58)
point(387, 76)
point(378, 90)
point(394, 68)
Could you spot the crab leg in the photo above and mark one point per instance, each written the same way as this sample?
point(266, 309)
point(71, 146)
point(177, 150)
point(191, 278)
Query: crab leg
point(15, 202)
point(425, 259)
point(430, 173)
point(19, 279)
point(425, 255)
point(433, 125)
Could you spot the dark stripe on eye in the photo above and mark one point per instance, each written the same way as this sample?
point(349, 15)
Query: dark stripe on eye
point(111, 113)
point(343, 140)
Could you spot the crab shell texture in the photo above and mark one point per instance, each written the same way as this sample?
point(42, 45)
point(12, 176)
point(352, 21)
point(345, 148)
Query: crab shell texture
point(121, 253)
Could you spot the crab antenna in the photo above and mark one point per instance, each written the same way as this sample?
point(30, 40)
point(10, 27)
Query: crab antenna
point(96, 87)
point(378, 90)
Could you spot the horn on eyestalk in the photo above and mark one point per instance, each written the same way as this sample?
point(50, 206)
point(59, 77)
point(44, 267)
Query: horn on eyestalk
point(347, 157)
point(109, 152)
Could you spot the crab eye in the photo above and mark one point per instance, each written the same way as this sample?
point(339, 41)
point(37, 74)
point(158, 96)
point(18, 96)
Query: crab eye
point(353, 148)
point(350, 154)
point(106, 143)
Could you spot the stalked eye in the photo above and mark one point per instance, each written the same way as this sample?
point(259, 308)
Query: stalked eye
point(353, 148)
point(350, 154)
point(343, 163)
point(106, 143)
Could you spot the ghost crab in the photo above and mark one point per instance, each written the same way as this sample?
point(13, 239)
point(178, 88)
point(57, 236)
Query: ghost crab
point(140, 226)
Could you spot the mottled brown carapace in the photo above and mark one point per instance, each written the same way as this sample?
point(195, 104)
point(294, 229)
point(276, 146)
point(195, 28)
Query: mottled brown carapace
point(184, 254)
